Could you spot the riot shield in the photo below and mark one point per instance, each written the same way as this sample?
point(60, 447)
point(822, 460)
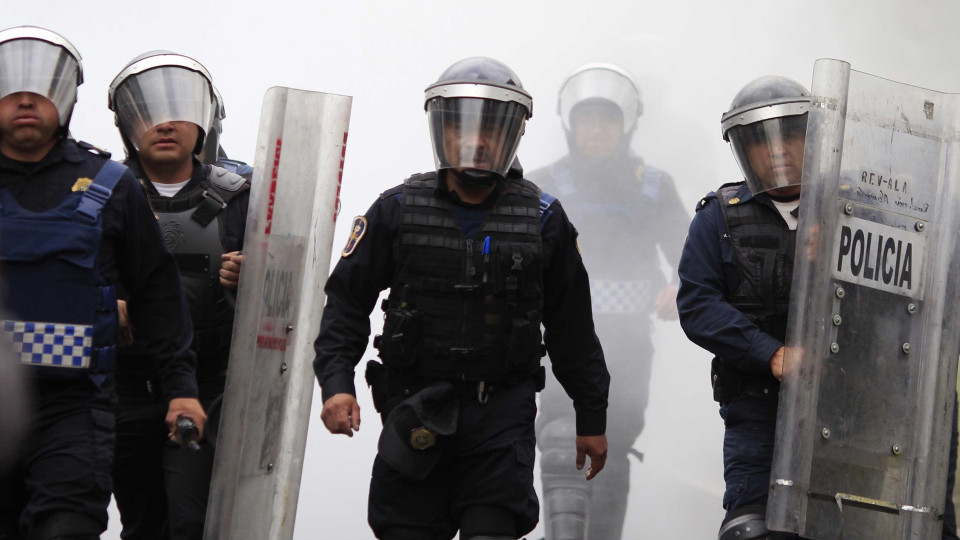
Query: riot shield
point(293, 208)
point(865, 409)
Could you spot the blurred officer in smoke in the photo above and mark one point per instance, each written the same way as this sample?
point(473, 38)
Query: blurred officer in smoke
point(74, 227)
point(213, 152)
point(476, 258)
point(624, 210)
point(165, 105)
point(735, 278)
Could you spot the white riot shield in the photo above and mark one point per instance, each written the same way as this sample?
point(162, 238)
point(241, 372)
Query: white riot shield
point(289, 236)
point(863, 427)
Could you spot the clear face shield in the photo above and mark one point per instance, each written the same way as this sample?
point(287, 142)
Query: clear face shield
point(600, 82)
point(163, 94)
point(475, 135)
point(770, 153)
point(40, 67)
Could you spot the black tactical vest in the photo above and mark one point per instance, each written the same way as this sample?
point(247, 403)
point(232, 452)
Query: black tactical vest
point(763, 249)
point(193, 224)
point(461, 308)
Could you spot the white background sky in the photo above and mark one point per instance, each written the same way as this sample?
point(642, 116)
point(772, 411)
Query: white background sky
point(689, 56)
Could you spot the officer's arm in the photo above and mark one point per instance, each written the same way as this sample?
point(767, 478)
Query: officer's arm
point(149, 275)
point(575, 352)
point(352, 291)
point(705, 315)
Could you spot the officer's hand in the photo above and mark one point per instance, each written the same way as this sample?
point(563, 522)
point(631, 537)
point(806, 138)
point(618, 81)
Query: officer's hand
point(341, 414)
point(188, 407)
point(595, 447)
point(667, 303)
point(230, 270)
point(776, 364)
point(125, 333)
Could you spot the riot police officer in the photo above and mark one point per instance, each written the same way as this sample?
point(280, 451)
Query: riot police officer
point(735, 278)
point(75, 227)
point(476, 258)
point(165, 105)
point(625, 210)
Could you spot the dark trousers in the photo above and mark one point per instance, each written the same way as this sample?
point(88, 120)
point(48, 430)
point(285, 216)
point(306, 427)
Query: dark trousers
point(161, 489)
point(61, 480)
point(488, 462)
point(748, 456)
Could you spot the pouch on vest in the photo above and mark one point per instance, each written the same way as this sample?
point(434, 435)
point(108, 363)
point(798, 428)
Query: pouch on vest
point(402, 330)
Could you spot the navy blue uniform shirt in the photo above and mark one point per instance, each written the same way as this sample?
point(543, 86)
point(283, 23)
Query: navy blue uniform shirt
point(708, 272)
point(132, 253)
point(356, 282)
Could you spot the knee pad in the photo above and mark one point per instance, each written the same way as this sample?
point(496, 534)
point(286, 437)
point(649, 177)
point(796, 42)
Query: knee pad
point(68, 526)
point(487, 523)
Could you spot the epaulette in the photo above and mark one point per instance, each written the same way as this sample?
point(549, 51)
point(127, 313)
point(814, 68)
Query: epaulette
point(94, 149)
point(706, 200)
point(395, 191)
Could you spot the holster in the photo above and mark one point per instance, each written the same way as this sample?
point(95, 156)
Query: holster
point(389, 386)
point(733, 384)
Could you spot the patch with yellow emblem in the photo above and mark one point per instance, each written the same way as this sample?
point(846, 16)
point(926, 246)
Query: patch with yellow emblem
point(357, 230)
point(422, 438)
point(733, 201)
point(81, 184)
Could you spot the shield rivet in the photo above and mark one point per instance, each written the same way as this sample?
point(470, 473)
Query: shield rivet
point(848, 208)
point(896, 449)
point(911, 308)
point(906, 348)
point(834, 348)
point(840, 292)
point(919, 226)
point(837, 320)
point(825, 432)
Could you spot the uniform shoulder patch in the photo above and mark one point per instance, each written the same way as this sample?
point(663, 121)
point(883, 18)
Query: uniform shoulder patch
point(357, 230)
point(81, 184)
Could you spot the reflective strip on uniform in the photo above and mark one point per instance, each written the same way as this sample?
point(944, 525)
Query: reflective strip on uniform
point(620, 296)
point(51, 344)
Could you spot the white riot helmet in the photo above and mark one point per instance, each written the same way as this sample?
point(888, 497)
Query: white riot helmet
point(477, 112)
point(606, 82)
point(764, 115)
point(42, 62)
point(158, 87)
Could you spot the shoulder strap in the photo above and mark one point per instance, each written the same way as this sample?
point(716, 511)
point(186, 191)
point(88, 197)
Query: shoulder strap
point(99, 191)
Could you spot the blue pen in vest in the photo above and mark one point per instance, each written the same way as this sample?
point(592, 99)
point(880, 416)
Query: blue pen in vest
point(486, 257)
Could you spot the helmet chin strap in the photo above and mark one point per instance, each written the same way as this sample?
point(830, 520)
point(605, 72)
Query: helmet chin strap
point(476, 178)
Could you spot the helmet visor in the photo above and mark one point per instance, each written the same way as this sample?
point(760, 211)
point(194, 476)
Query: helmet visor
point(600, 84)
point(475, 133)
point(40, 67)
point(770, 152)
point(163, 94)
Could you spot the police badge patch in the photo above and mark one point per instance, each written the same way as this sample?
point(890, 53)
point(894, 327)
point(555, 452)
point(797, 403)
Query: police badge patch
point(357, 230)
point(81, 184)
